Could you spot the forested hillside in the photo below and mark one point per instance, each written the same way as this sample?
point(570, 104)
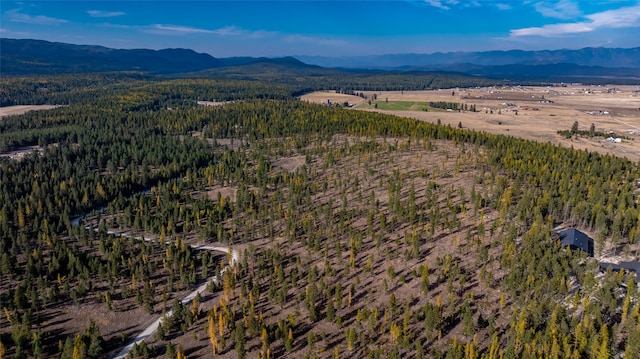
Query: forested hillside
point(28, 57)
point(361, 234)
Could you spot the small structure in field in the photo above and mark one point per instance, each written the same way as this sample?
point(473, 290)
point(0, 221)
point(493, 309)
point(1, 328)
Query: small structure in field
point(575, 239)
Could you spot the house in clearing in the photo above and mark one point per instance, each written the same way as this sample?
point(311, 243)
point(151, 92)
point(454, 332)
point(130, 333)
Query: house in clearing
point(575, 239)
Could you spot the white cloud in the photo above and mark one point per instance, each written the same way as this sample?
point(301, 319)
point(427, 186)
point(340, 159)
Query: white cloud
point(563, 9)
point(119, 26)
point(451, 4)
point(229, 31)
point(553, 30)
point(240, 33)
point(179, 29)
point(503, 7)
point(162, 29)
point(624, 17)
point(168, 29)
point(437, 3)
point(260, 34)
point(618, 18)
point(16, 16)
point(445, 4)
point(100, 13)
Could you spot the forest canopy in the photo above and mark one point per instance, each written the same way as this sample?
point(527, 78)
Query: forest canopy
point(363, 234)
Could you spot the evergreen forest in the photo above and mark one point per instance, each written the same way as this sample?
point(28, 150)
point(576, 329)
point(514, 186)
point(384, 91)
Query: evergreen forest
point(360, 234)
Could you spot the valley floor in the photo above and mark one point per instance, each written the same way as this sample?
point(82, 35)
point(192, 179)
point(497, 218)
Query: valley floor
point(527, 112)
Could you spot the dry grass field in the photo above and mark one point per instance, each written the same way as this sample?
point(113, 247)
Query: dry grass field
point(533, 113)
point(20, 109)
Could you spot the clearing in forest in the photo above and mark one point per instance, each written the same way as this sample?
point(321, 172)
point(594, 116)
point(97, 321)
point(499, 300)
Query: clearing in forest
point(20, 109)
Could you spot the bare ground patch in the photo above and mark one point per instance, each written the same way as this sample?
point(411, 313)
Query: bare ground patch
point(213, 103)
point(289, 164)
point(223, 192)
point(331, 97)
point(20, 153)
point(20, 109)
point(227, 142)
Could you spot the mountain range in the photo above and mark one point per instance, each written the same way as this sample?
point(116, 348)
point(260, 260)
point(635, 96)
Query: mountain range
point(589, 56)
point(25, 56)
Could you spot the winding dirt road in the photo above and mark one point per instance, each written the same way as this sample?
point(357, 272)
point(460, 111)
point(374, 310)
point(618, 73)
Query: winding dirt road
point(235, 257)
point(149, 330)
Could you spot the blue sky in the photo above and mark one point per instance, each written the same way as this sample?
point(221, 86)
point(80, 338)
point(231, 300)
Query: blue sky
point(328, 28)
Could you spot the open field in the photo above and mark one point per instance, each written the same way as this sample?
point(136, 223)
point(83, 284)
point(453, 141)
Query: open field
point(399, 105)
point(324, 97)
point(212, 103)
point(20, 109)
point(533, 113)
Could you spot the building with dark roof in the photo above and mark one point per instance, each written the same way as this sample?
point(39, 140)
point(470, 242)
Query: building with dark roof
point(575, 239)
point(631, 267)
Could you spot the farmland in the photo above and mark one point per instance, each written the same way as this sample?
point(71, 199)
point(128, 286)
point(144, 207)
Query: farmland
point(532, 113)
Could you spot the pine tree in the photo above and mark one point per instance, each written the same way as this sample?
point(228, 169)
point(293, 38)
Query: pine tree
point(395, 331)
point(424, 282)
point(288, 340)
point(625, 307)
point(180, 353)
point(603, 352)
point(265, 351)
point(212, 335)
point(240, 340)
point(78, 348)
point(170, 351)
point(351, 338)
point(331, 311)
point(632, 347)
point(574, 128)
